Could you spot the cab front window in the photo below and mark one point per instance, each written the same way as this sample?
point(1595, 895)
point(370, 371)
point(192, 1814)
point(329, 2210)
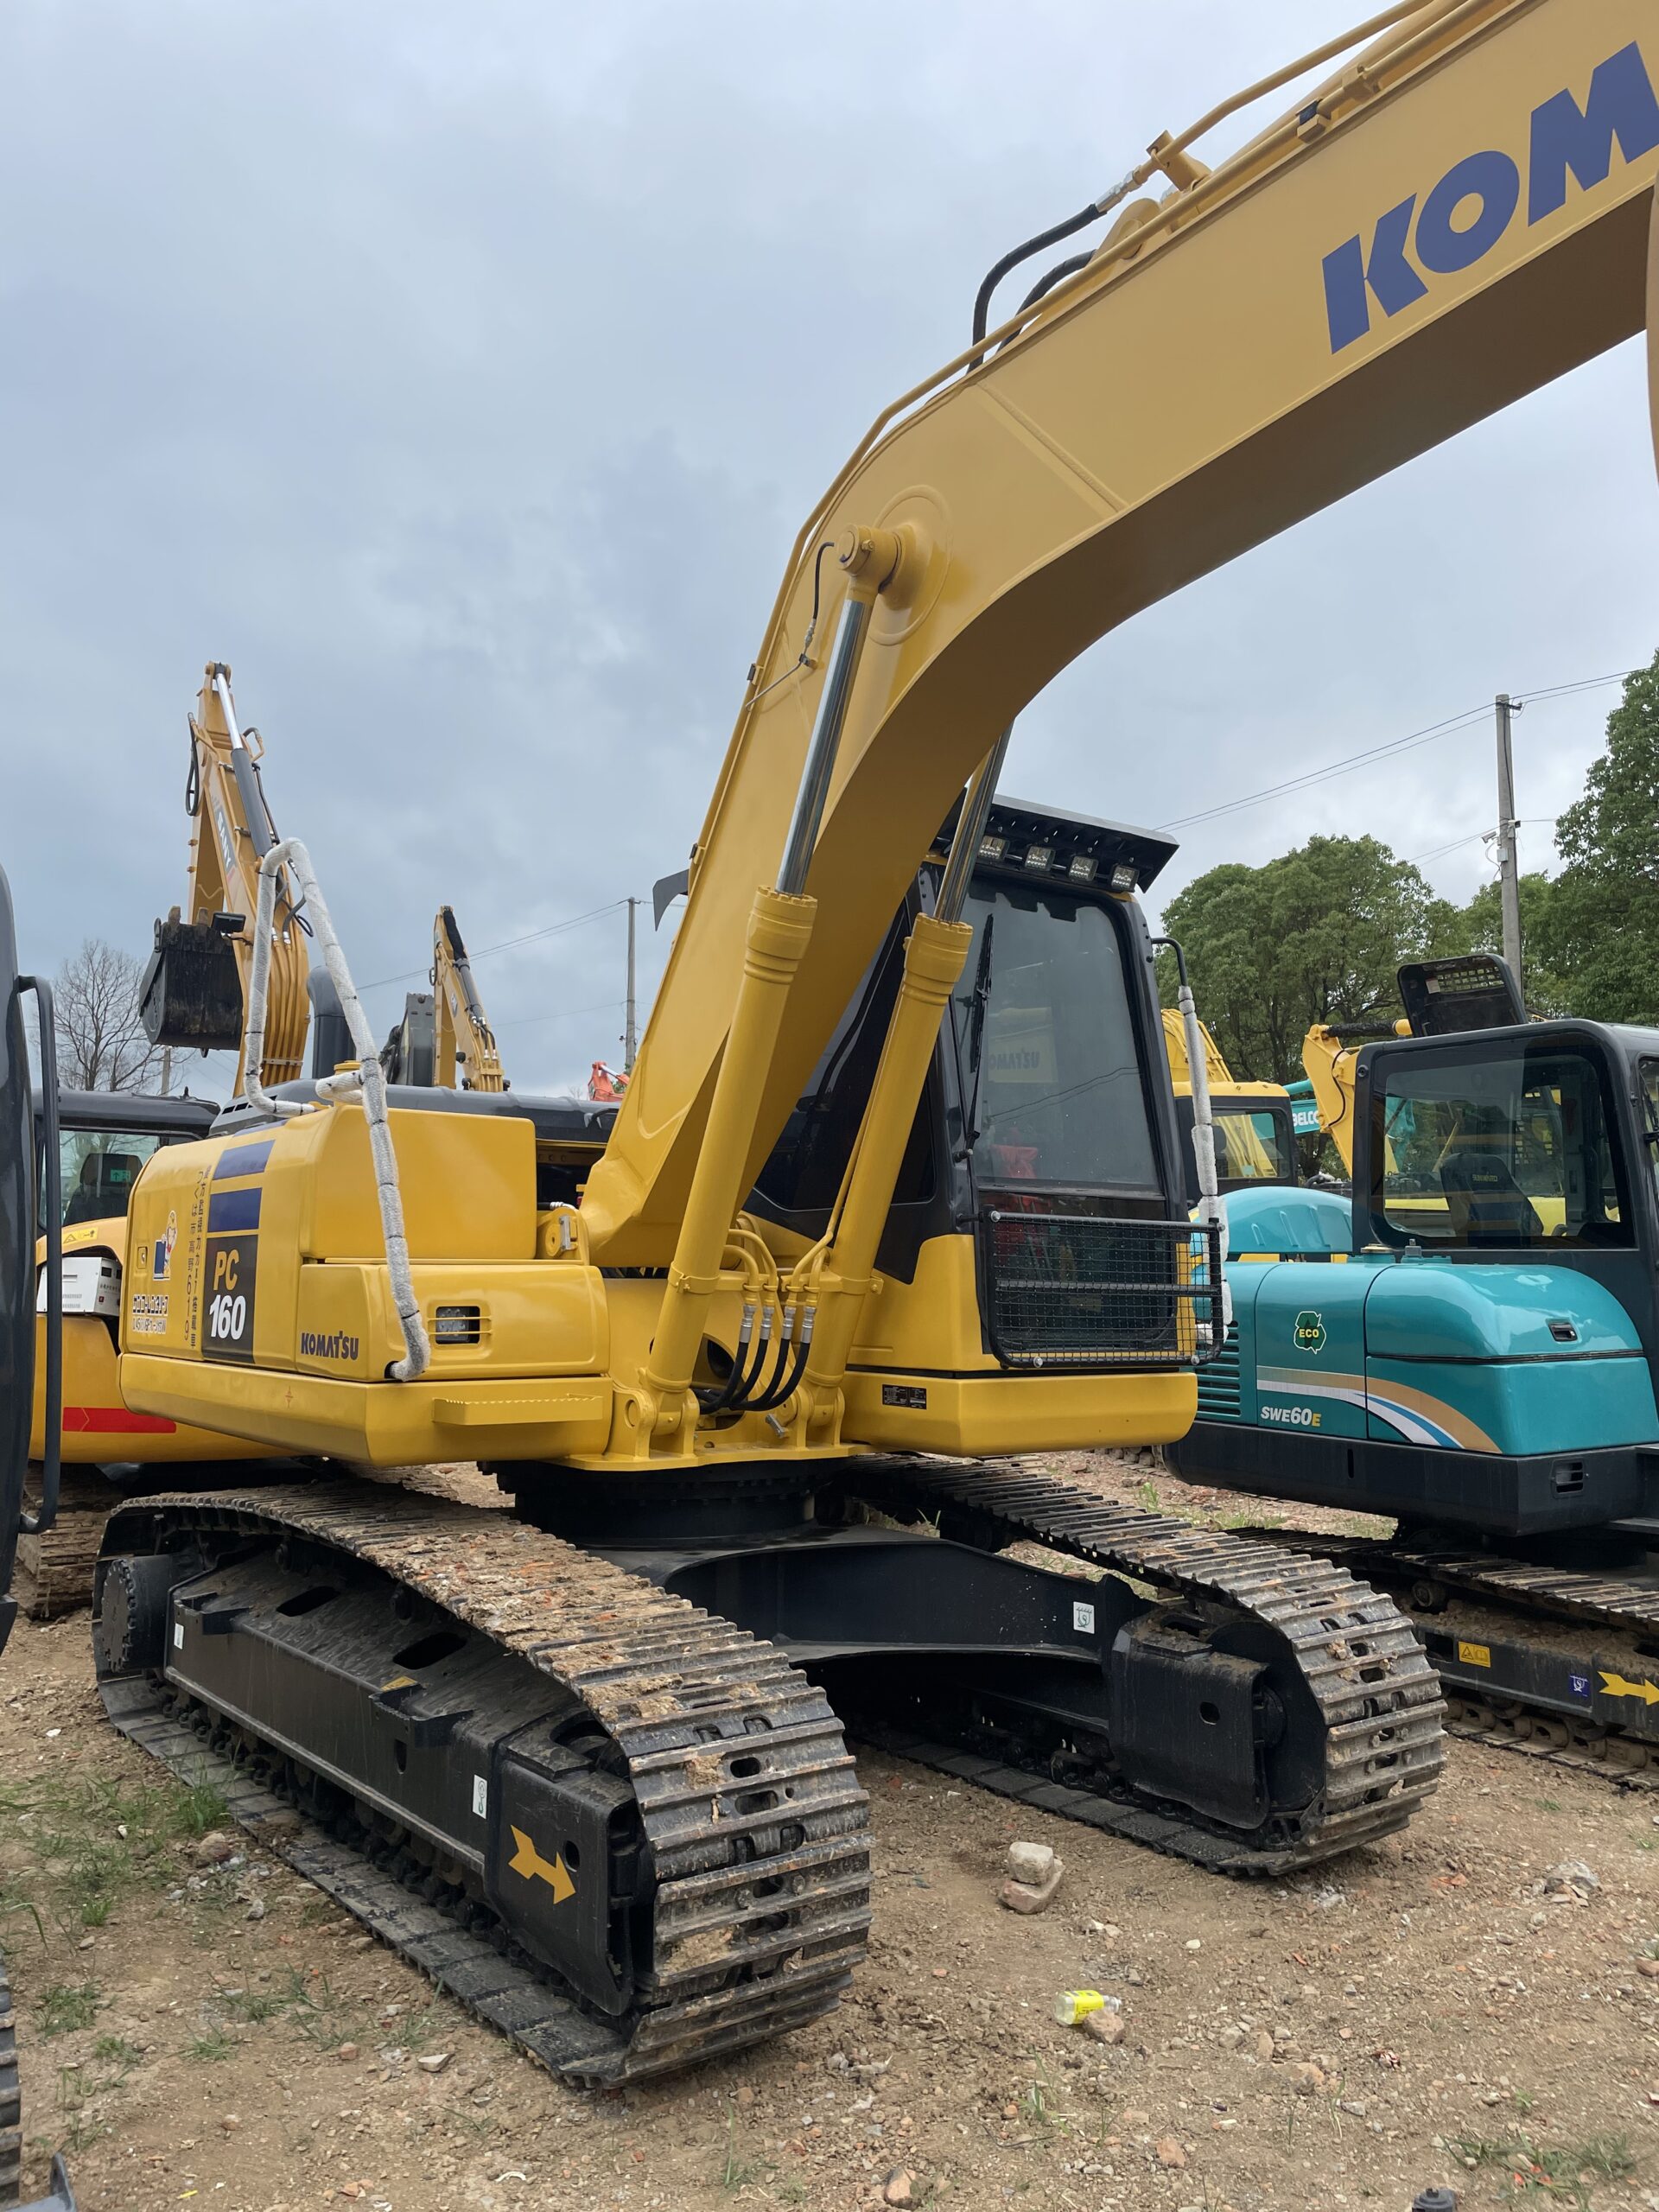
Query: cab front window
point(1517, 1148)
point(1252, 1148)
point(1051, 1064)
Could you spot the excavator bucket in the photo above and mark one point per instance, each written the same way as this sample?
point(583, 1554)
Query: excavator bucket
point(191, 994)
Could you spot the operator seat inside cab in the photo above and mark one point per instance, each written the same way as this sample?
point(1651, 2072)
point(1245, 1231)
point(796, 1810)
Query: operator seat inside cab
point(1487, 1205)
point(105, 1190)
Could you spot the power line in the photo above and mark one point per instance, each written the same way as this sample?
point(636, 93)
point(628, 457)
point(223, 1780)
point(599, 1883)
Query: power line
point(1390, 750)
point(1526, 822)
point(562, 1014)
point(1336, 768)
point(1584, 683)
point(1457, 844)
point(531, 936)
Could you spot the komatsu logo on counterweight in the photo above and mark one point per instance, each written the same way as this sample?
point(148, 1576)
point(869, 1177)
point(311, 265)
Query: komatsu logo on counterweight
point(337, 1346)
point(1477, 199)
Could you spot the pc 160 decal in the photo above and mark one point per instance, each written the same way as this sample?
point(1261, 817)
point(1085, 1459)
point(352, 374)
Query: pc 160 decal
point(230, 1275)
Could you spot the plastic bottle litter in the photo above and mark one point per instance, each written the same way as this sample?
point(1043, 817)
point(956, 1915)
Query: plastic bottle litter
point(1072, 2006)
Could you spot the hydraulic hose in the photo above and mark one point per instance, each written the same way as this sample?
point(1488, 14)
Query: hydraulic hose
point(786, 1384)
point(716, 1400)
point(748, 1401)
point(1057, 275)
point(1168, 150)
point(1068, 227)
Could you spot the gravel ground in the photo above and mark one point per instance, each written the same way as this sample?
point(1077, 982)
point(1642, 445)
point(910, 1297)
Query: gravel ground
point(198, 2028)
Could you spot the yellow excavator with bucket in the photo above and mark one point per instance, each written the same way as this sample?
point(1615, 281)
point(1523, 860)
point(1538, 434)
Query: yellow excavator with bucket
point(191, 997)
point(894, 1191)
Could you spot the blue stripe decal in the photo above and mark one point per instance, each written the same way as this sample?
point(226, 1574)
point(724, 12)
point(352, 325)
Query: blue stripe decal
point(234, 1210)
point(1411, 1423)
point(243, 1160)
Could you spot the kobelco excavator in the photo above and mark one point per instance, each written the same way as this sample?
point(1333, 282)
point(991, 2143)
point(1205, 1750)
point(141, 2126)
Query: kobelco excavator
point(875, 1205)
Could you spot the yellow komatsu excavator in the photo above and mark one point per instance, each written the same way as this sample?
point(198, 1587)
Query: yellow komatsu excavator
point(1255, 1141)
point(192, 995)
point(445, 1032)
point(879, 1200)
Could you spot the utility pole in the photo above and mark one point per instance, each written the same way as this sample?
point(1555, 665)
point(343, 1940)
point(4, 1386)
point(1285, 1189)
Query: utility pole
point(629, 1039)
point(167, 1070)
point(1508, 872)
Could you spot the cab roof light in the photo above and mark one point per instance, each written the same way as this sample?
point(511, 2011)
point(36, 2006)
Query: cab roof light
point(1081, 868)
point(1039, 858)
point(1123, 876)
point(992, 848)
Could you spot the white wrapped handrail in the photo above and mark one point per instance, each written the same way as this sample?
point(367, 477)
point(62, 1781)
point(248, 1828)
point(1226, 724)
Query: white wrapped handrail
point(1211, 1211)
point(366, 1077)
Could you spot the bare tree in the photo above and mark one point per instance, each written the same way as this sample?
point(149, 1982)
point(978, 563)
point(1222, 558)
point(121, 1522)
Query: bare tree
point(101, 1041)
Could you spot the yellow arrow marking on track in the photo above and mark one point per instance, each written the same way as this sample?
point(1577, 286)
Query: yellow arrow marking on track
point(529, 1862)
point(1616, 1686)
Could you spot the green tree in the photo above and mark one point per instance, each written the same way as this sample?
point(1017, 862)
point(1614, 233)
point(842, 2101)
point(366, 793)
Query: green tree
point(1478, 927)
point(1598, 936)
point(1313, 935)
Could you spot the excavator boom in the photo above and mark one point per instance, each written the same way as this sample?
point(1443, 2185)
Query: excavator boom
point(194, 990)
point(1458, 217)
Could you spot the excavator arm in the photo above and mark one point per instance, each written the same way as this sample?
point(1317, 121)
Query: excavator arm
point(464, 1035)
point(1329, 1061)
point(194, 991)
point(1457, 216)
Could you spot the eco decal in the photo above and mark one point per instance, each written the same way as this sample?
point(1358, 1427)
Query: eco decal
point(1308, 1333)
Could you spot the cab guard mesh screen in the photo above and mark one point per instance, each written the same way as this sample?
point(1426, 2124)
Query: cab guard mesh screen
point(1083, 1290)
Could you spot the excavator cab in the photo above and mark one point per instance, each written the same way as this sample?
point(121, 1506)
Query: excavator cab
point(1045, 1154)
point(1255, 1140)
point(104, 1139)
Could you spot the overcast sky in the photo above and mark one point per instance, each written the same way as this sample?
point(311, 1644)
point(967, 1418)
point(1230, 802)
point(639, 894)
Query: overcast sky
point(461, 375)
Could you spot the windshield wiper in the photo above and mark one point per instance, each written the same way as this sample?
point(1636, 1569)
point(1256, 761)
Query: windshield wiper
point(976, 1003)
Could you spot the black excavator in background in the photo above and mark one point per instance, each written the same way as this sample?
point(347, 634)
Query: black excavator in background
point(24, 1165)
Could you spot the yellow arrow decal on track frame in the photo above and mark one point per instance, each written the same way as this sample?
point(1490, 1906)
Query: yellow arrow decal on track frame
point(529, 1862)
point(1616, 1686)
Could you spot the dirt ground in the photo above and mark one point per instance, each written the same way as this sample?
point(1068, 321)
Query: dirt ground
point(218, 2034)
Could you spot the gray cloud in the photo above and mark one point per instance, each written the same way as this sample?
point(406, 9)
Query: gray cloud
point(461, 375)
